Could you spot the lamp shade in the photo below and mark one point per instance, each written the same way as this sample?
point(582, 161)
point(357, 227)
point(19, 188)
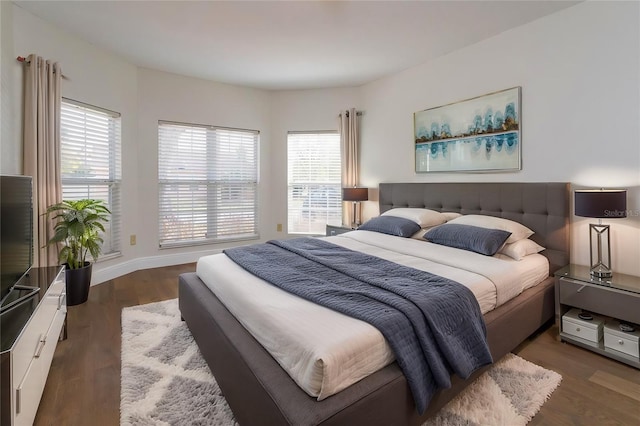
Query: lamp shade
point(355, 194)
point(605, 203)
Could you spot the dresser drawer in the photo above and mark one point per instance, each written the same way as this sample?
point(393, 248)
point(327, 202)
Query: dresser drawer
point(601, 299)
point(30, 387)
point(48, 317)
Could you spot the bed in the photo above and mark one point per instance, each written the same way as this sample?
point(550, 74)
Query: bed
point(259, 391)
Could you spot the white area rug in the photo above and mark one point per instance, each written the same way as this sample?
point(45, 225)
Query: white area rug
point(165, 381)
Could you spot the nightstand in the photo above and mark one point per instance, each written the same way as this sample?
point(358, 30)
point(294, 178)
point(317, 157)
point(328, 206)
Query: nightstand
point(617, 297)
point(337, 230)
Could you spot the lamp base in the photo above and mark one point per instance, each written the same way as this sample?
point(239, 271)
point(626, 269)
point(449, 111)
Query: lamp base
point(355, 218)
point(601, 273)
point(600, 251)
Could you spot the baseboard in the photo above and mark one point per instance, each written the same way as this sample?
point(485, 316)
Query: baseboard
point(106, 273)
point(110, 272)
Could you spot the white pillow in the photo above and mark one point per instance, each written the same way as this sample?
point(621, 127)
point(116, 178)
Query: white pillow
point(451, 215)
point(520, 249)
point(518, 230)
point(423, 217)
point(420, 234)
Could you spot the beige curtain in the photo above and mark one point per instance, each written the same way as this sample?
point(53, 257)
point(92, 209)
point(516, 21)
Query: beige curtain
point(42, 96)
point(349, 141)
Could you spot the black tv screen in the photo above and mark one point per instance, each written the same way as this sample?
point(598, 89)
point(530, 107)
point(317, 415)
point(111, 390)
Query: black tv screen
point(16, 223)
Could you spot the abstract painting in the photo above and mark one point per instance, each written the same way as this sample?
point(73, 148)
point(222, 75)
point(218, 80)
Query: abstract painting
point(481, 134)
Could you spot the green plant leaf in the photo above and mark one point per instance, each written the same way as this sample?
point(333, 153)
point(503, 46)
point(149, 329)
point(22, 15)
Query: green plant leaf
point(77, 225)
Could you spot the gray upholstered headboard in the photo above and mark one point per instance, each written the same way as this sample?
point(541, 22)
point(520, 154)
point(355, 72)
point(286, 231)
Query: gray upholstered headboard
point(542, 207)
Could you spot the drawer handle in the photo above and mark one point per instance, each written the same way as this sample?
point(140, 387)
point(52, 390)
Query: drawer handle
point(577, 328)
point(581, 288)
point(27, 374)
point(621, 342)
point(40, 347)
point(18, 400)
point(60, 299)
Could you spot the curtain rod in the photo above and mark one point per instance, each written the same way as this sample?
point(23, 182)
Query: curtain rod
point(27, 62)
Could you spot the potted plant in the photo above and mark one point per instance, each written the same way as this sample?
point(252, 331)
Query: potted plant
point(77, 227)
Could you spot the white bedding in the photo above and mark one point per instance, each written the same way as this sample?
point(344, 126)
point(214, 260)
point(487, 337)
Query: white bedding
point(325, 351)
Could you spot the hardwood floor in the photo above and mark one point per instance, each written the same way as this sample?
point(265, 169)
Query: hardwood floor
point(83, 387)
point(84, 382)
point(594, 391)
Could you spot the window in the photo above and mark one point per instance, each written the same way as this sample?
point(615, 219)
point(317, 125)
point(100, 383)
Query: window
point(314, 183)
point(90, 161)
point(208, 180)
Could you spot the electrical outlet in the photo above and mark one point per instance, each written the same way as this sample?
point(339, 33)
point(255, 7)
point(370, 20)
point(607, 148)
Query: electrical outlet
point(279, 227)
point(132, 240)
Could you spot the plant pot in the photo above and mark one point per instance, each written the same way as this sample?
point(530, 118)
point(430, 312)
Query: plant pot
point(78, 283)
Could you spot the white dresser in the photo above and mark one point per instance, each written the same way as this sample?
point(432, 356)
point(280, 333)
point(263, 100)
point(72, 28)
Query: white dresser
point(30, 332)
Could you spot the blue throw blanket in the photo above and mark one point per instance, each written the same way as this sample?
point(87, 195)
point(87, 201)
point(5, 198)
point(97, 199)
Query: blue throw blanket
point(433, 325)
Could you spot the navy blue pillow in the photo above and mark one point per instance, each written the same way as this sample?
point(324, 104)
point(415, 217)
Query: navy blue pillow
point(391, 225)
point(473, 238)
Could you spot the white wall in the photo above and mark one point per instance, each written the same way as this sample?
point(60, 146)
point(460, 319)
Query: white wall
point(164, 96)
point(11, 153)
point(143, 97)
point(581, 64)
point(93, 76)
point(579, 72)
point(300, 110)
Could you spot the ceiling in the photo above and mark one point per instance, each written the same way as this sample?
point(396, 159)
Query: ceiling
point(278, 45)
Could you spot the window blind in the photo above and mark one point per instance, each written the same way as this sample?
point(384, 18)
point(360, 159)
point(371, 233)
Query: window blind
point(208, 178)
point(314, 182)
point(90, 161)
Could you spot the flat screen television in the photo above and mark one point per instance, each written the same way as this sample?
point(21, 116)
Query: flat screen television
point(16, 235)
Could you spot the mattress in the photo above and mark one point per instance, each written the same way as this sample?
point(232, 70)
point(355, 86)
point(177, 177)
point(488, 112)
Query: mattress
point(324, 351)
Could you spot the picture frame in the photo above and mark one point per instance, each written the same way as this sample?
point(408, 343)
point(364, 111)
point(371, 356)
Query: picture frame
point(481, 134)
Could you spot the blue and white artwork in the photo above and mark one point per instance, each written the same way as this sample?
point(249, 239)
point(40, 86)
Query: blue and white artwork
point(479, 134)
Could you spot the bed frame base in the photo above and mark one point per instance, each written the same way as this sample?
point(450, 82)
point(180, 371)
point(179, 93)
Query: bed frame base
point(260, 392)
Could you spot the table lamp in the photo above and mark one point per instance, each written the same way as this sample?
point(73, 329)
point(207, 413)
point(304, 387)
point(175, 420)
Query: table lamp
point(601, 204)
point(355, 195)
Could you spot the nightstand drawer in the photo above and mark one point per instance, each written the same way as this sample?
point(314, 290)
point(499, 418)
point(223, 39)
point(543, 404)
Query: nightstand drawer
point(588, 330)
point(621, 341)
point(593, 298)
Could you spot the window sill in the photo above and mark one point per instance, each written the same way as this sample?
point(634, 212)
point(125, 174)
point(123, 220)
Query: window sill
point(206, 242)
